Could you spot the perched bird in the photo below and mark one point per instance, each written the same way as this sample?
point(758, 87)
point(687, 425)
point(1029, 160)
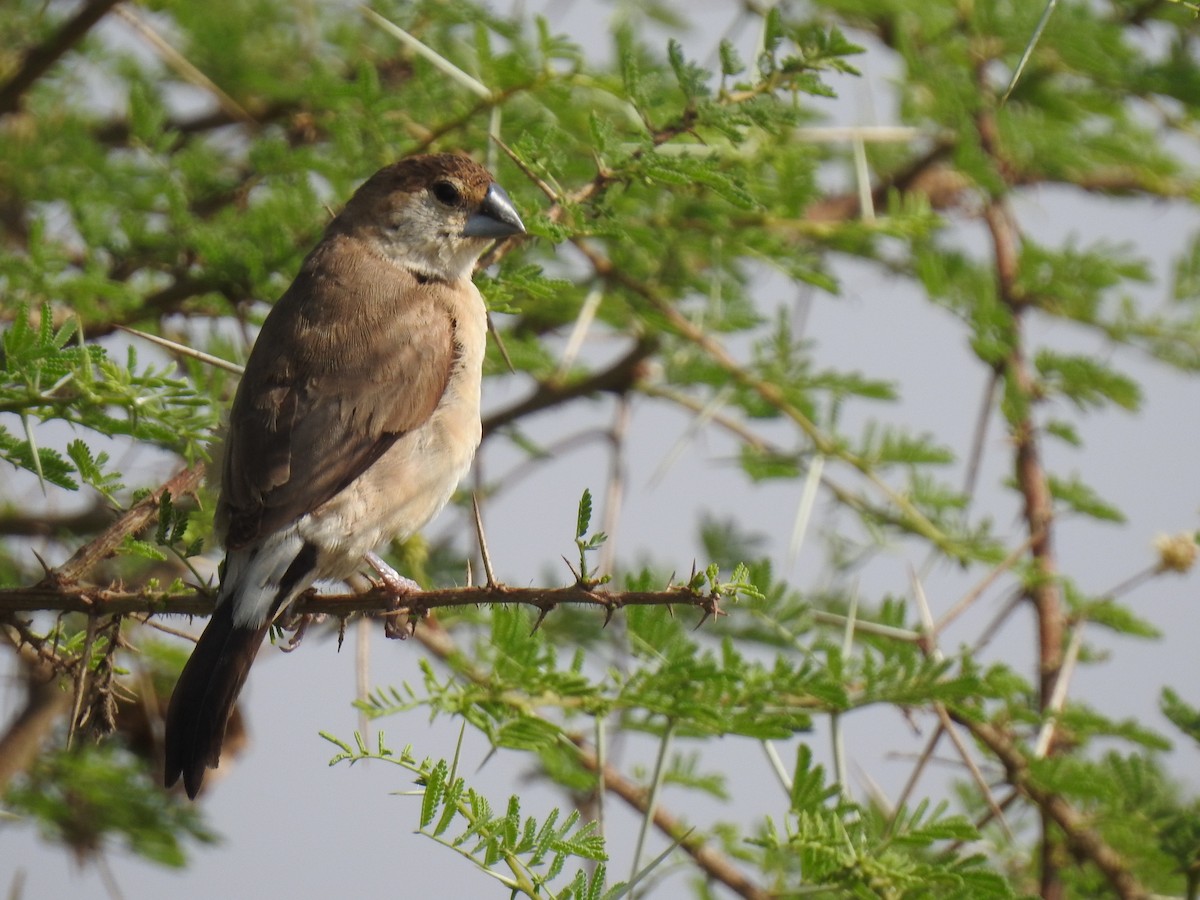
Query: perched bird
point(356, 417)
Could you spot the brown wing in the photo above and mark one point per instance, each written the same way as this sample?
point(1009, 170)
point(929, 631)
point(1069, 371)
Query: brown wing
point(355, 354)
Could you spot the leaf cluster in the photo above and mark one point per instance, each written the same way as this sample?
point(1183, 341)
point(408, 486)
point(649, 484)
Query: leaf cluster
point(459, 817)
point(49, 373)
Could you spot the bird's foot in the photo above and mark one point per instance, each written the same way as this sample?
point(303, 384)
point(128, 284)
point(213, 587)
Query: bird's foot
point(400, 619)
point(288, 619)
point(390, 578)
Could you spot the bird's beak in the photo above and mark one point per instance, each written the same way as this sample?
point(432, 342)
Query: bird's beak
point(495, 218)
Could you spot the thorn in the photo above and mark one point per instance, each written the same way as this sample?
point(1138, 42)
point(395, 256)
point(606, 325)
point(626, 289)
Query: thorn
point(578, 577)
point(608, 614)
point(50, 577)
point(482, 538)
point(545, 611)
point(341, 633)
point(500, 344)
point(45, 566)
point(670, 581)
point(542, 186)
point(183, 349)
point(487, 759)
point(711, 610)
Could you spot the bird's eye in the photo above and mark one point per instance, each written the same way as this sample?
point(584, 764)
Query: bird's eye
point(446, 193)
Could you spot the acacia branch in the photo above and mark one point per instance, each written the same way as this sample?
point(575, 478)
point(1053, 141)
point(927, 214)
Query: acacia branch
point(38, 60)
point(618, 378)
point(45, 702)
point(47, 524)
point(1081, 839)
point(131, 522)
point(104, 601)
point(1030, 473)
point(1043, 590)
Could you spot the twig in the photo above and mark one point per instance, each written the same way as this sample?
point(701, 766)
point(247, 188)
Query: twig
point(114, 601)
point(976, 592)
point(618, 378)
point(39, 59)
point(1081, 839)
point(711, 861)
point(132, 521)
point(656, 782)
point(185, 67)
point(979, 440)
point(930, 647)
point(915, 775)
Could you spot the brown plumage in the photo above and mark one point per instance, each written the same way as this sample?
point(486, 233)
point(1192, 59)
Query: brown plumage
point(356, 417)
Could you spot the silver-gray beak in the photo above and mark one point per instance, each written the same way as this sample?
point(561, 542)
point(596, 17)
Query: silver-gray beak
point(495, 218)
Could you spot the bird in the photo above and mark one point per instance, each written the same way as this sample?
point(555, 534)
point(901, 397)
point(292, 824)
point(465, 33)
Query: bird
point(355, 419)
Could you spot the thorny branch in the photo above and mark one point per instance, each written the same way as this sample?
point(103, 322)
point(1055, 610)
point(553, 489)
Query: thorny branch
point(1080, 838)
point(105, 601)
point(1043, 590)
point(131, 522)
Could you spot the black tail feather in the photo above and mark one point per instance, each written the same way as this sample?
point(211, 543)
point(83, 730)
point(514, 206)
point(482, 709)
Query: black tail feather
point(205, 696)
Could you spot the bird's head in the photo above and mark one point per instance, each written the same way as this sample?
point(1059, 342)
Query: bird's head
point(433, 214)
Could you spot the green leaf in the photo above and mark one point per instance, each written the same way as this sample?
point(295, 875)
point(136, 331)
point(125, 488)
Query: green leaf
point(692, 79)
point(1086, 381)
point(1183, 716)
point(1082, 499)
point(731, 62)
point(583, 518)
point(435, 789)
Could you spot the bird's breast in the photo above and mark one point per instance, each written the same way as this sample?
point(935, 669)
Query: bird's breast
point(411, 482)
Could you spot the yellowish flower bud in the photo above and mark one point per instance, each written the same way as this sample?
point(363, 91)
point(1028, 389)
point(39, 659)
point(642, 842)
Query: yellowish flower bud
point(1176, 552)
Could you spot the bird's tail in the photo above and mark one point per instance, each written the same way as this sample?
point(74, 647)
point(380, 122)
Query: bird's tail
point(256, 582)
point(205, 696)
